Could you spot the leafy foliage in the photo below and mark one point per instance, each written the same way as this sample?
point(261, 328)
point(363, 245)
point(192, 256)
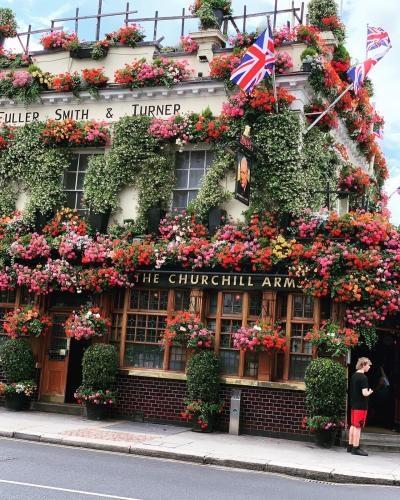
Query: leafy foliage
point(203, 377)
point(99, 366)
point(212, 193)
point(17, 360)
point(325, 387)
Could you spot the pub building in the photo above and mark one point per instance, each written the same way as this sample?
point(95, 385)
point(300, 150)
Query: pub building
point(151, 381)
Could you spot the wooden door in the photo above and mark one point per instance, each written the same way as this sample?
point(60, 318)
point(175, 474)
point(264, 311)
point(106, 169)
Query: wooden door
point(55, 365)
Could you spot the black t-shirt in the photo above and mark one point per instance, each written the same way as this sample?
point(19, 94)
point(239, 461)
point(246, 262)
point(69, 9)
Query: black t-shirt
point(358, 382)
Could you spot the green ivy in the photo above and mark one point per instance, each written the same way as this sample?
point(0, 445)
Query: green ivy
point(155, 183)
point(135, 159)
point(212, 193)
point(279, 181)
point(35, 166)
point(320, 165)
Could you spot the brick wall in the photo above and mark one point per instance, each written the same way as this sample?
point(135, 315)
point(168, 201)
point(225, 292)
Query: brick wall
point(264, 411)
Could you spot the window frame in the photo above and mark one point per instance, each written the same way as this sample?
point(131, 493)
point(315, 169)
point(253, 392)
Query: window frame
point(205, 148)
point(127, 311)
point(271, 307)
point(78, 152)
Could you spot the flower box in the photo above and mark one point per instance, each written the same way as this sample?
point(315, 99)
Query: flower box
point(81, 53)
point(99, 221)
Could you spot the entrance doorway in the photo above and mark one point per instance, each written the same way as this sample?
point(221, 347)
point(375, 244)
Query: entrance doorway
point(384, 379)
point(62, 360)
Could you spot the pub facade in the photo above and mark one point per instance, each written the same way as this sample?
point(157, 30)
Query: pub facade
point(151, 382)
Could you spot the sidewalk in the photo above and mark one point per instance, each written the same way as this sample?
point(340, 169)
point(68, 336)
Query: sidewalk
point(178, 443)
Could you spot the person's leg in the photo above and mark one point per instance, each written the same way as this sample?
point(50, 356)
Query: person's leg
point(351, 435)
point(356, 437)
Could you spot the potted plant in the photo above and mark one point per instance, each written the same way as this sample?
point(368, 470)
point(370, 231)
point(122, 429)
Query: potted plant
point(99, 372)
point(17, 361)
point(306, 57)
point(26, 322)
point(325, 429)
point(86, 324)
point(211, 12)
point(93, 79)
point(331, 340)
point(59, 39)
point(98, 221)
point(326, 388)
point(8, 25)
point(130, 35)
point(202, 402)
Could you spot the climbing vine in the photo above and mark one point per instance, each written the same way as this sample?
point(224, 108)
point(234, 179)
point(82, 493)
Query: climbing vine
point(34, 166)
point(212, 193)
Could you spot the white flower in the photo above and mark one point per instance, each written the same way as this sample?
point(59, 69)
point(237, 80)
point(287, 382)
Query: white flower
point(182, 329)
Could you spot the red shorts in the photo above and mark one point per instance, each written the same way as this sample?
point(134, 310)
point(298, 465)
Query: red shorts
point(358, 418)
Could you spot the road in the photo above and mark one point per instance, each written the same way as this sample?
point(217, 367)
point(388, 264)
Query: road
point(34, 471)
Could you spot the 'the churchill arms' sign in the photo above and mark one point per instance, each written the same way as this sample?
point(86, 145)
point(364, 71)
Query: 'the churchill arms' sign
point(231, 281)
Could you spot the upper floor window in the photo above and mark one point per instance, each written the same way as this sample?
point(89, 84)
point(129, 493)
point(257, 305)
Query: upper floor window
point(74, 177)
point(190, 167)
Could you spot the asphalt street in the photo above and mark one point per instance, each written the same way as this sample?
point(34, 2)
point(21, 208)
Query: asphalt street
point(36, 471)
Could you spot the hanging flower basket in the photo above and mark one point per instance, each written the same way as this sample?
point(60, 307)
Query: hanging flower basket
point(263, 336)
point(185, 329)
point(331, 340)
point(86, 324)
point(26, 322)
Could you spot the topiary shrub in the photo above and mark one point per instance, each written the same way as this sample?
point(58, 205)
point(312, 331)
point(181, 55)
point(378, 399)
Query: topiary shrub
point(203, 372)
point(99, 366)
point(326, 387)
point(16, 358)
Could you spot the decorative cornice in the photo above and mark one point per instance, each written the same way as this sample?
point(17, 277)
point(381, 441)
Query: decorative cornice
point(193, 88)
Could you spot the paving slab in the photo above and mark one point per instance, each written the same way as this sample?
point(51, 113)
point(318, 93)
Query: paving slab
point(294, 458)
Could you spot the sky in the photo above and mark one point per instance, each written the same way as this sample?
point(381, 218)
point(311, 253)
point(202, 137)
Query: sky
point(356, 15)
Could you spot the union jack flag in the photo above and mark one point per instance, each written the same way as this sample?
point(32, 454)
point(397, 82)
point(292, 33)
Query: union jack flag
point(258, 61)
point(358, 73)
point(378, 130)
point(376, 38)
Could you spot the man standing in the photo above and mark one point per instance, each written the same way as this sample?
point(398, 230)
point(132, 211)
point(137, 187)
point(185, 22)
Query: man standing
point(359, 392)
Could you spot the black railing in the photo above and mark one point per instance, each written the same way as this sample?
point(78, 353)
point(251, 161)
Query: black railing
point(296, 13)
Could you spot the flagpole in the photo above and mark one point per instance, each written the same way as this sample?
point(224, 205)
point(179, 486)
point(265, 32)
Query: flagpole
point(273, 73)
point(366, 45)
point(328, 108)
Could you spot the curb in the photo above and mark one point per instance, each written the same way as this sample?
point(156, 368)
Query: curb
point(316, 475)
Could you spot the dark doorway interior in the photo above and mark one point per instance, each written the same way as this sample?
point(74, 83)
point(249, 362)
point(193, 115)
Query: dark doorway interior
point(74, 379)
point(384, 379)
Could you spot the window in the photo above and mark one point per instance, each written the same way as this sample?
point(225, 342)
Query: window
point(300, 316)
point(73, 181)
point(226, 313)
point(142, 324)
point(189, 170)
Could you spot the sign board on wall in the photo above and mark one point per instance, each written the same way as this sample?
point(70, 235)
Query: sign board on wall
point(110, 110)
point(227, 281)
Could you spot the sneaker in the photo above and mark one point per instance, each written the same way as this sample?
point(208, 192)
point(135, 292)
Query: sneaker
point(349, 448)
point(359, 451)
